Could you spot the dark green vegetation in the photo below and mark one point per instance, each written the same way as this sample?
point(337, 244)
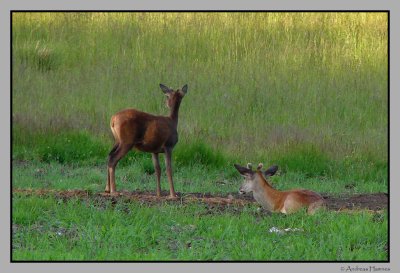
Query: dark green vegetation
point(305, 91)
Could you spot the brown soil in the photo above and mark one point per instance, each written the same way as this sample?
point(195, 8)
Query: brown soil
point(372, 202)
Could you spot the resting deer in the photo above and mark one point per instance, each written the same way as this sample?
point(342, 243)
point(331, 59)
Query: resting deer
point(275, 200)
point(148, 133)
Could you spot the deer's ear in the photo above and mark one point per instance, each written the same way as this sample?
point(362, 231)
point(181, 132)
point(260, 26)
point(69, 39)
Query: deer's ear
point(184, 89)
point(271, 170)
point(244, 171)
point(165, 89)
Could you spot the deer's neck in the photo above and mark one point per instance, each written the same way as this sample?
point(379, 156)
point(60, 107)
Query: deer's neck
point(174, 112)
point(266, 194)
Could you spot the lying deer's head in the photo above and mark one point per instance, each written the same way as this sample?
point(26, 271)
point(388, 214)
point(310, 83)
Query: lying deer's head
point(173, 97)
point(251, 177)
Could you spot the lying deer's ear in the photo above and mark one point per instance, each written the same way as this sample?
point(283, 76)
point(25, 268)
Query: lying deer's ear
point(249, 166)
point(244, 171)
point(165, 89)
point(184, 89)
point(260, 166)
point(271, 170)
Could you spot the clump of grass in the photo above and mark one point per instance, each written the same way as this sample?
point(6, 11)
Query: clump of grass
point(67, 147)
point(40, 56)
point(70, 148)
point(361, 169)
point(306, 159)
point(198, 152)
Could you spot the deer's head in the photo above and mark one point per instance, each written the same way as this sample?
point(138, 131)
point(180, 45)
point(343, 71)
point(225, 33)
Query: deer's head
point(251, 178)
point(173, 96)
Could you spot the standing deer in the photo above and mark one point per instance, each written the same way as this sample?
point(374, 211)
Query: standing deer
point(148, 133)
point(274, 200)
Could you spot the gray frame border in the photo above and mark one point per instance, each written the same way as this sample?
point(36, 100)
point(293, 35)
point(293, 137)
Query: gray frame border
point(197, 5)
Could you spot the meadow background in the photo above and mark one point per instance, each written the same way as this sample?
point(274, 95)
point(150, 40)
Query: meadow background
point(306, 91)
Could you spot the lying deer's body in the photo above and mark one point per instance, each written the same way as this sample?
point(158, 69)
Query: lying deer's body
point(148, 133)
point(274, 200)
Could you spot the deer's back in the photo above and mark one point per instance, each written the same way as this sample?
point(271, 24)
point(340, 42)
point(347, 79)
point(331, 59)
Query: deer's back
point(296, 199)
point(145, 131)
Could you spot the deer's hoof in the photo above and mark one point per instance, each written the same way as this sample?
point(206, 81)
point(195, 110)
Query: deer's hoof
point(173, 197)
point(115, 193)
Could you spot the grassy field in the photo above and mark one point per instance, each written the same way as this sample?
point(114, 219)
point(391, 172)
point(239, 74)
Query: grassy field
point(306, 91)
point(50, 229)
point(139, 176)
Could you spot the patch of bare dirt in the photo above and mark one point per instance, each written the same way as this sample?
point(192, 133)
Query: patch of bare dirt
point(373, 201)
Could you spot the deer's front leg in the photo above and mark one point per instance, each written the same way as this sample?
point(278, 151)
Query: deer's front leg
point(168, 156)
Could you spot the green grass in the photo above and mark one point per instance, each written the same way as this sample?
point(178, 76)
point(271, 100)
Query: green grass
point(261, 85)
point(196, 167)
point(139, 175)
point(52, 229)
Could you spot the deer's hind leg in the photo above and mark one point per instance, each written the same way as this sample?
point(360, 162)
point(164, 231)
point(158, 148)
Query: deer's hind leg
point(314, 207)
point(108, 172)
point(119, 151)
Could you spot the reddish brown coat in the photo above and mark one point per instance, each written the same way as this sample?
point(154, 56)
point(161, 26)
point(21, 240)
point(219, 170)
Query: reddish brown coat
point(274, 200)
point(145, 132)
